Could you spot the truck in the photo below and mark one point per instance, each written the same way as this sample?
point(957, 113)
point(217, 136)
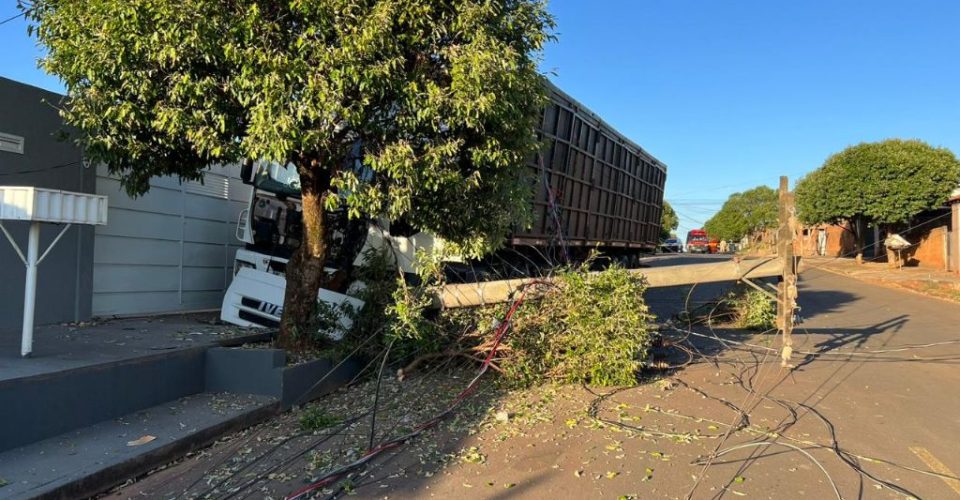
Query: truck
point(594, 189)
point(697, 241)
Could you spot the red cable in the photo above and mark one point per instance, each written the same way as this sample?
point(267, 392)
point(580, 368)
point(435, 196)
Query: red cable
point(498, 337)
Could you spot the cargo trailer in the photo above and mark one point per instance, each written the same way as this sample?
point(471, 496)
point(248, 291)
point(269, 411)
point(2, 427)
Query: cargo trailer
point(593, 189)
point(596, 188)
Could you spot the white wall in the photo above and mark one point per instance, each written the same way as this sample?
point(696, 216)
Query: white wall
point(169, 250)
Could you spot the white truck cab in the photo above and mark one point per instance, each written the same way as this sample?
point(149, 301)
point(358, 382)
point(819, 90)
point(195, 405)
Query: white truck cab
point(271, 229)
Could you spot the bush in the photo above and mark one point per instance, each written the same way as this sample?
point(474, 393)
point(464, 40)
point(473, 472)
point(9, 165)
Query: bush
point(589, 328)
point(584, 328)
point(753, 309)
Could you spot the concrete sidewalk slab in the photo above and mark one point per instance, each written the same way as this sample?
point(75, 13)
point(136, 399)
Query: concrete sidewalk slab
point(68, 346)
point(931, 282)
point(87, 461)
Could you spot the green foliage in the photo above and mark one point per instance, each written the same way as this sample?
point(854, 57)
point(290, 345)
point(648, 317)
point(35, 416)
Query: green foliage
point(413, 326)
point(378, 278)
point(753, 309)
point(668, 221)
point(443, 96)
point(315, 419)
point(886, 182)
point(585, 328)
point(744, 214)
point(589, 328)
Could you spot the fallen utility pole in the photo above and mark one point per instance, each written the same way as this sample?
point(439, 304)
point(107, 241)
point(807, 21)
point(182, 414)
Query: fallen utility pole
point(493, 292)
point(787, 290)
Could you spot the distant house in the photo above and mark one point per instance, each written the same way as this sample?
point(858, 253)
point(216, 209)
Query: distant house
point(930, 234)
point(168, 251)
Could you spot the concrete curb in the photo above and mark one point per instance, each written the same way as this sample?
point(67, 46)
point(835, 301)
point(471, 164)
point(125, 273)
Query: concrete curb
point(139, 465)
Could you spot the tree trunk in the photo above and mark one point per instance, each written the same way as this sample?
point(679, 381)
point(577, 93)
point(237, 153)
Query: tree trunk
point(858, 239)
point(893, 259)
point(304, 273)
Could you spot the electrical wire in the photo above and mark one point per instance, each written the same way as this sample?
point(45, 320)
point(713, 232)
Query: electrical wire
point(14, 17)
point(42, 170)
point(341, 472)
point(810, 457)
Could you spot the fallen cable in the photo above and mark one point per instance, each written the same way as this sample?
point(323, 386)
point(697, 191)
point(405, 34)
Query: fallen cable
point(339, 473)
point(719, 454)
point(907, 347)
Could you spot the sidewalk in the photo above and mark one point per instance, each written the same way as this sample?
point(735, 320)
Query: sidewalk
point(932, 282)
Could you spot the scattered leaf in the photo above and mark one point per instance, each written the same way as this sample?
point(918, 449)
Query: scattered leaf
point(143, 440)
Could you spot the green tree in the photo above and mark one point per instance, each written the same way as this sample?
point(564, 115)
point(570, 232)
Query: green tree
point(882, 183)
point(443, 96)
point(746, 214)
point(669, 221)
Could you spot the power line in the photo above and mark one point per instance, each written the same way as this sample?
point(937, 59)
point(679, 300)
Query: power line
point(44, 169)
point(13, 17)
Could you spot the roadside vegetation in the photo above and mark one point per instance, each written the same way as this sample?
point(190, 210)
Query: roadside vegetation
point(750, 214)
point(884, 184)
point(669, 221)
point(752, 309)
point(742, 307)
point(578, 327)
point(440, 98)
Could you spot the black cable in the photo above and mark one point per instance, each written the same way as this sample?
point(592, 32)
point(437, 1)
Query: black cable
point(41, 170)
point(13, 17)
point(376, 394)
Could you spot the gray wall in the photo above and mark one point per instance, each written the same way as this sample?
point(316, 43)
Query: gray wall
point(169, 250)
point(64, 280)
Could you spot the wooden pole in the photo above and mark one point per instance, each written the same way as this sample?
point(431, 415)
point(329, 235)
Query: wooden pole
point(787, 290)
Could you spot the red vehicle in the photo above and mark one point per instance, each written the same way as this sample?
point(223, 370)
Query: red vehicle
point(698, 242)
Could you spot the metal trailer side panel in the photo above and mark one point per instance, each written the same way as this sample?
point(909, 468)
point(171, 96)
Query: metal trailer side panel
point(607, 190)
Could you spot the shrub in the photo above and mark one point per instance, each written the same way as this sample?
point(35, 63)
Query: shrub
point(754, 310)
point(584, 328)
point(589, 328)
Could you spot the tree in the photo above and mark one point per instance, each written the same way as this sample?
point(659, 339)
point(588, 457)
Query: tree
point(668, 221)
point(744, 214)
point(882, 183)
point(443, 96)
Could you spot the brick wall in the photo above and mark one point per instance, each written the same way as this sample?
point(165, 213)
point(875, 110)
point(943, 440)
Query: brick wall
point(840, 242)
point(929, 248)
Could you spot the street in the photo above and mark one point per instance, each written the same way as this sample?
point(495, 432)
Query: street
point(886, 412)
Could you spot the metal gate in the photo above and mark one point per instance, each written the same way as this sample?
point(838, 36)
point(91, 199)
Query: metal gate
point(169, 250)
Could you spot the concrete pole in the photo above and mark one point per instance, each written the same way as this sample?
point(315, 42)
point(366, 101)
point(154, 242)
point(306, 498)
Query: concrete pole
point(30, 289)
point(787, 291)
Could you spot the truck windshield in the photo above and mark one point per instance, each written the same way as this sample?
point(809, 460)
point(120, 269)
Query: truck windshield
point(278, 179)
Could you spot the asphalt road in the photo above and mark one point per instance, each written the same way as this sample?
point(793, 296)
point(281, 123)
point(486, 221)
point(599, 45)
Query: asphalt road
point(868, 397)
point(902, 406)
point(666, 302)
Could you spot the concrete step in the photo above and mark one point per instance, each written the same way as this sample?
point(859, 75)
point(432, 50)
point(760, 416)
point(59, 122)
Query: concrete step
point(89, 460)
point(42, 390)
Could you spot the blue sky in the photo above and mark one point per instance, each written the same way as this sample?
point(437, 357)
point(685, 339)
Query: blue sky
point(732, 94)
